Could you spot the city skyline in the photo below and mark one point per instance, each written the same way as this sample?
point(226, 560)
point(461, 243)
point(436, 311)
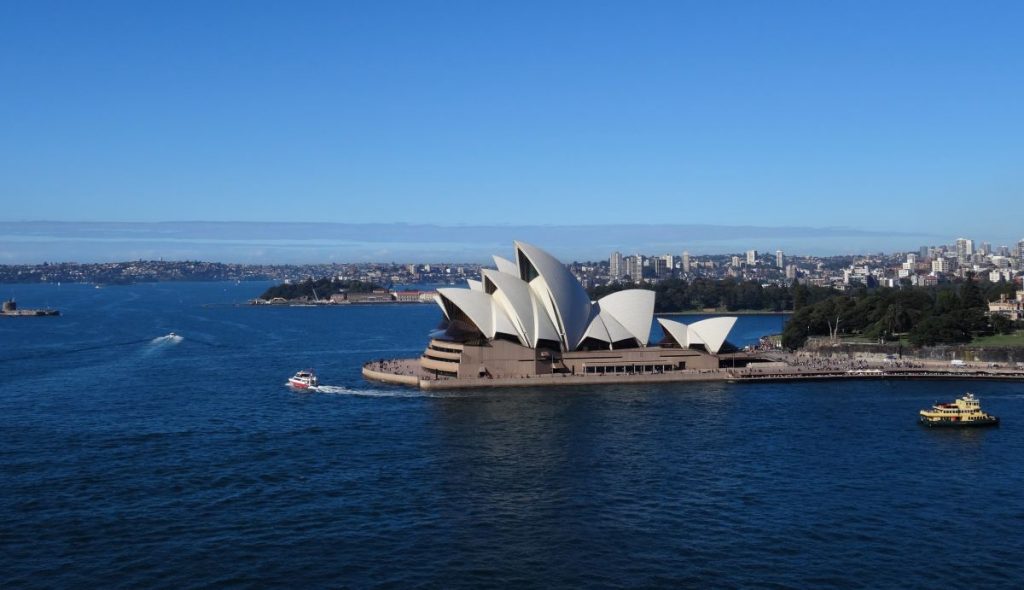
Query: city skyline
point(927, 266)
point(877, 117)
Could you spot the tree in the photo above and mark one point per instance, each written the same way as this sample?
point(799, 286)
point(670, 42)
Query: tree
point(938, 330)
point(946, 301)
point(799, 295)
point(1001, 324)
point(970, 293)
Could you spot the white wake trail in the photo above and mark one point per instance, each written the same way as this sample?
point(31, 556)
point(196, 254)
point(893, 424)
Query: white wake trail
point(168, 339)
point(339, 390)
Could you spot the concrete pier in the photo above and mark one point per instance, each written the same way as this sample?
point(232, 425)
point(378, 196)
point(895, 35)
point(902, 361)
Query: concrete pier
point(408, 372)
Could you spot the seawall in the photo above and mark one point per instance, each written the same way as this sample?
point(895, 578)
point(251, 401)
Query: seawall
point(406, 372)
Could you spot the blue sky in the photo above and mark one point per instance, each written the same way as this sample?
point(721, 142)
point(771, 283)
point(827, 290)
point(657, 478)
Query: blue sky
point(891, 117)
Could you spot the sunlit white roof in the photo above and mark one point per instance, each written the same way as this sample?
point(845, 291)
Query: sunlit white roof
point(506, 266)
point(536, 298)
point(519, 302)
point(561, 293)
point(710, 333)
point(475, 304)
point(713, 331)
point(633, 308)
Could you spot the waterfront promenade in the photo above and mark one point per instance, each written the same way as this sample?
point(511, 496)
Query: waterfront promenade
point(781, 367)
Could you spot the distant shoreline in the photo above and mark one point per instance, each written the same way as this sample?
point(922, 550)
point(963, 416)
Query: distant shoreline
point(738, 312)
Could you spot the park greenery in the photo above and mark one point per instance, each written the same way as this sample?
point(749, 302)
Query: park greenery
point(678, 295)
point(317, 289)
point(921, 316)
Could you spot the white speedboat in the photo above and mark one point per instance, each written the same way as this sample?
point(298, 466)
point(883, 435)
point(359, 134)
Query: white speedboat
point(303, 380)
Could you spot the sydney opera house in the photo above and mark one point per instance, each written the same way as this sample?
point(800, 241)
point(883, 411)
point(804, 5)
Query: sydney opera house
point(530, 317)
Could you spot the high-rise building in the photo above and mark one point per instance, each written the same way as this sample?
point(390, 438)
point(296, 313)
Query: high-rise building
point(1020, 250)
point(779, 259)
point(658, 266)
point(686, 262)
point(635, 267)
point(908, 266)
point(791, 271)
point(964, 250)
point(751, 257)
point(615, 266)
point(735, 261)
point(670, 264)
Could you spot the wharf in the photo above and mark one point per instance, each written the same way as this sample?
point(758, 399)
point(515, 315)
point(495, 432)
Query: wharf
point(801, 374)
point(408, 372)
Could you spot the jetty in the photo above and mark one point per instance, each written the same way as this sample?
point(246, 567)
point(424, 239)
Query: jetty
point(778, 367)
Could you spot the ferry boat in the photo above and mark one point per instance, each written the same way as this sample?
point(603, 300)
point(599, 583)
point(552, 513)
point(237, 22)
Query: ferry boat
point(964, 412)
point(303, 380)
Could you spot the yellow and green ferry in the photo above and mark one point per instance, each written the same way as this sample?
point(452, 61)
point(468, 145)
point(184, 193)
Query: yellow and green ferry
point(964, 412)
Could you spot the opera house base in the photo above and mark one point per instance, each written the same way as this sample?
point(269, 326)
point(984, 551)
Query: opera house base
point(409, 372)
point(500, 363)
point(429, 382)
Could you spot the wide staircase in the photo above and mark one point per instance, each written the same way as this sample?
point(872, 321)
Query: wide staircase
point(442, 357)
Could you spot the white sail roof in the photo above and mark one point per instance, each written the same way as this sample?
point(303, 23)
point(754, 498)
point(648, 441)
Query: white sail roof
point(516, 299)
point(606, 328)
point(477, 306)
point(677, 330)
point(711, 333)
point(633, 308)
point(597, 330)
point(542, 323)
point(502, 322)
point(506, 266)
point(536, 298)
point(616, 331)
point(561, 293)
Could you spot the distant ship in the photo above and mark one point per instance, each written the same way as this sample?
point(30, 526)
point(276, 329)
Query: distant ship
point(964, 412)
point(10, 308)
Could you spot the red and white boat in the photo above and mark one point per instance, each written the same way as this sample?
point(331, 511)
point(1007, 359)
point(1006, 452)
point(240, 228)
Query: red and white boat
point(303, 380)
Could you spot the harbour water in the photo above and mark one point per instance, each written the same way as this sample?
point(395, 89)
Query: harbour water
point(134, 459)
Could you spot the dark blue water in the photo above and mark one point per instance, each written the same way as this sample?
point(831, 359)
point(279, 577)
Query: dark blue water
point(130, 461)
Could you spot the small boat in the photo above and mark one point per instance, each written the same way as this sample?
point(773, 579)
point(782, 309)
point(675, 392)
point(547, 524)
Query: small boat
point(303, 380)
point(962, 413)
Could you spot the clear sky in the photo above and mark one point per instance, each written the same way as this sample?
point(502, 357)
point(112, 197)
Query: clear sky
point(901, 117)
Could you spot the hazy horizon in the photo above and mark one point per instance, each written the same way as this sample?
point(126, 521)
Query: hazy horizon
point(326, 242)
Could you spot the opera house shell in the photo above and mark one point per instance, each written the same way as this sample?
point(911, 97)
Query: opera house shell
point(530, 316)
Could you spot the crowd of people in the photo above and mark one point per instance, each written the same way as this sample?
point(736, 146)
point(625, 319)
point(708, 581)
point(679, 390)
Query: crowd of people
point(393, 366)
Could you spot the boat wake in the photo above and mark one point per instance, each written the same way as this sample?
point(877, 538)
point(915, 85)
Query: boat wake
point(339, 390)
point(171, 338)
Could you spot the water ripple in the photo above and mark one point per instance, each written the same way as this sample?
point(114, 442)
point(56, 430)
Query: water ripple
point(195, 468)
